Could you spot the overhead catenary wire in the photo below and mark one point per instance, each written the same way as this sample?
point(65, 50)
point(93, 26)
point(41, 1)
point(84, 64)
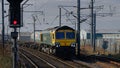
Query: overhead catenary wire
point(56, 18)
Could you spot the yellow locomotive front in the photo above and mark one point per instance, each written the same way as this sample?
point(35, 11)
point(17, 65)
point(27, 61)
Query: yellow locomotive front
point(65, 41)
point(65, 38)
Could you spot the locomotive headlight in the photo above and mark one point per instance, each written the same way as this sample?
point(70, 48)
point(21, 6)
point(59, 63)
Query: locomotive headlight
point(57, 44)
point(73, 44)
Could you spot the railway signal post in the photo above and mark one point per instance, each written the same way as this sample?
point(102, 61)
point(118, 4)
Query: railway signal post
point(15, 22)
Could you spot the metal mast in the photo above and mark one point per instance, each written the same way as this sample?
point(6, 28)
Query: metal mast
point(22, 15)
point(94, 33)
point(59, 16)
point(3, 32)
point(78, 27)
point(92, 23)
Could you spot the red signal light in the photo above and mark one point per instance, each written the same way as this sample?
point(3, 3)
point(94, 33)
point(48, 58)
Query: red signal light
point(15, 22)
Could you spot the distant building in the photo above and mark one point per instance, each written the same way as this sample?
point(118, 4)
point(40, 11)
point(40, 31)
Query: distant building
point(37, 36)
point(24, 36)
point(106, 39)
point(101, 34)
point(111, 35)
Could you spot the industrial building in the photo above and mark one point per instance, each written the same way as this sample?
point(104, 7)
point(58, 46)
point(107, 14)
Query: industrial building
point(108, 38)
point(24, 36)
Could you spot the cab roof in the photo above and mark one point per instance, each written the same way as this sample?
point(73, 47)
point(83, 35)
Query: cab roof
point(60, 28)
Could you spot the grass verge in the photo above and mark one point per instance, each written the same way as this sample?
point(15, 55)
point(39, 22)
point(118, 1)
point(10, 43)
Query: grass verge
point(5, 62)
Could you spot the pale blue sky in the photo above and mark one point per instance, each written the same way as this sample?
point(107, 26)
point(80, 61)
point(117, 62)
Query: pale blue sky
point(50, 8)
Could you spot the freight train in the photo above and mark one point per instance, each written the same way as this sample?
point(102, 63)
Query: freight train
point(60, 41)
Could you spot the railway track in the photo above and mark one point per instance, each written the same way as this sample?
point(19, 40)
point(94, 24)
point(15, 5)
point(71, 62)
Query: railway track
point(26, 62)
point(108, 59)
point(56, 62)
point(100, 61)
point(32, 61)
point(92, 61)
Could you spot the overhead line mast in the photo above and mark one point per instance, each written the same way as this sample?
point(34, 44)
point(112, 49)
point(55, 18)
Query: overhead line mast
point(92, 22)
point(3, 28)
point(78, 27)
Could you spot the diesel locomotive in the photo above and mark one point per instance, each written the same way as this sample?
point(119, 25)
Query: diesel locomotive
point(60, 41)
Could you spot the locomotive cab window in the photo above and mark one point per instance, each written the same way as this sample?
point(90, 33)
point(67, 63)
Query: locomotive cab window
point(70, 35)
point(60, 35)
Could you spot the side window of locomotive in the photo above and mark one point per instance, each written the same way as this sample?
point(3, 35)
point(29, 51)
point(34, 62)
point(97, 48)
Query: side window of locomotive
point(60, 35)
point(70, 35)
point(41, 37)
point(53, 36)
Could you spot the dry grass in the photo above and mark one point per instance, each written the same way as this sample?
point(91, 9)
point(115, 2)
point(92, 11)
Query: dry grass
point(106, 65)
point(88, 50)
point(116, 56)
point(5, 62)
point(5, 57)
